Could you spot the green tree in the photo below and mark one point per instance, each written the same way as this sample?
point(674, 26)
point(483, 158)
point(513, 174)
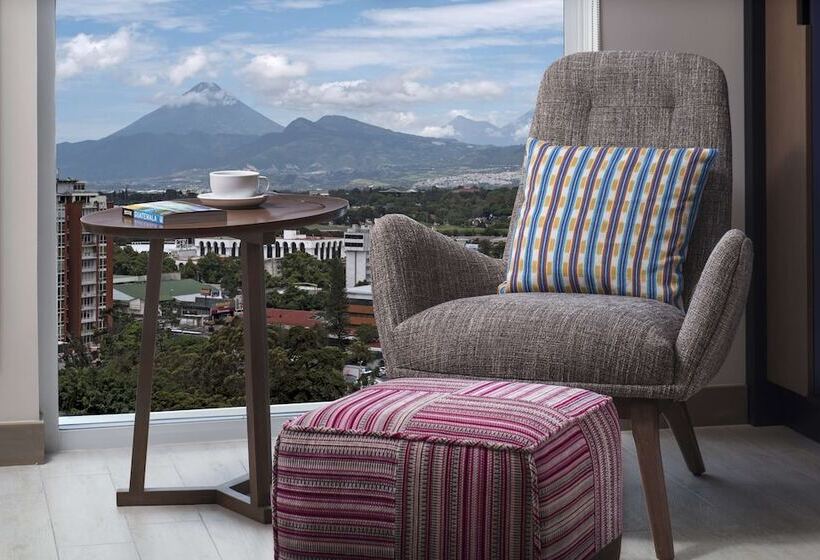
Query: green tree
point(294, 298)
point(92, 390)
point(210, 268)
point(359, 353)
point(168, 264)
point(231, 278)
point(214, 269)
point(129, 262)
point(189, 270)
point(300, 267)
point(74, 353)
point(367, 333)
point(493, 249)
point(200, 372)
point(314, 375)
point(335, 310)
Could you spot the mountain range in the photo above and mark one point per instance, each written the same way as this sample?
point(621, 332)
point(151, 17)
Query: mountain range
point(204, 108)
point(207, 128)
point(482, 132)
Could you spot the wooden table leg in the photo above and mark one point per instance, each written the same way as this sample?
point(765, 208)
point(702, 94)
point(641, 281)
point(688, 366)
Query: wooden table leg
point(139, 451)
point(257, 384)
point(249, 496)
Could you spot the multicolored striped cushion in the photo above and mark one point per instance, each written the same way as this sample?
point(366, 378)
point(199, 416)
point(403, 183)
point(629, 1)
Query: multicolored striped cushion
point(606, 220)
point(457, 469)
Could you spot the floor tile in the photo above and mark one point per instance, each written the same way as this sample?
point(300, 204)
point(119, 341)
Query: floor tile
point(141, 515)
point(162, 476)
point(20, 480)
point(174, 541)
point(636, 545)
point(83, 510)
point(122, 551)
point(237, 537)
point(73, 463)
point(760, 499)
point(156, 476)
point(209, 464)
point(25, 528)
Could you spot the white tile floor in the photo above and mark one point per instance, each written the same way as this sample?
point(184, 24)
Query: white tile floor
point(759, 500)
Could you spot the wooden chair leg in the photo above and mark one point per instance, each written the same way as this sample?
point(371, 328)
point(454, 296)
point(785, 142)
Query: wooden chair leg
point(677, 415)
point(645, 415)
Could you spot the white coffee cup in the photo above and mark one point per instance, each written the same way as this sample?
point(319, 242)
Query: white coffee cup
point(238, 183)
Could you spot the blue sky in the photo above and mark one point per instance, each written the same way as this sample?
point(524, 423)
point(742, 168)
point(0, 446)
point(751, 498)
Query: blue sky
point(406, 65)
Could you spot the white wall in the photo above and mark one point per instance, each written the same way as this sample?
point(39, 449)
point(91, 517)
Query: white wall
point(712, 28)
point(19, 372)
point(28, 355)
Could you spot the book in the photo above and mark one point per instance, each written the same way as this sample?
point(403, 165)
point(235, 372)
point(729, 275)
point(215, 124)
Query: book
point(165, 212)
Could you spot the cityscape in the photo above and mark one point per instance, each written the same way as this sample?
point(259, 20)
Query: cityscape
point(145, 112)
point(323, 353)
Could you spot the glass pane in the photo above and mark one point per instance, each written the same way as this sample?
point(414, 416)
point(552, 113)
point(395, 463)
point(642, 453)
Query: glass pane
point(415, 107)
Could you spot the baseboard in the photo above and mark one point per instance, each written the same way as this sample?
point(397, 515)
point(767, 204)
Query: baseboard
point(719, 405)
point(798, 412)
point(22, 443)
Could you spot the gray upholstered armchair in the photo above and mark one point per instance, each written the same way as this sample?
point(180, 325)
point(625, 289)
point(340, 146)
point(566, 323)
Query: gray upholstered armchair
point(439, 315)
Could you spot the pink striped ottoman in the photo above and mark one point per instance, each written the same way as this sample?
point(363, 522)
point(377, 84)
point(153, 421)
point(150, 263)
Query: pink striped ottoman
point(443, 469)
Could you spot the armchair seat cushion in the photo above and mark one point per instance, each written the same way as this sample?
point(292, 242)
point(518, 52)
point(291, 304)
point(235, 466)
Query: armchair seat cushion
point(578, 339)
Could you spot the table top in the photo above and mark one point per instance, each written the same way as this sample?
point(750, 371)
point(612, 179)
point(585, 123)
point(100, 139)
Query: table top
point(279, 211)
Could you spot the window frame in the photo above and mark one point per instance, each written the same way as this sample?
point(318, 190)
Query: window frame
point(581, 32)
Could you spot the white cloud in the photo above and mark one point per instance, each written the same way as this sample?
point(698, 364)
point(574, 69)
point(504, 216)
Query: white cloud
point(522, 132)
point(360, 94)
point(438, 131)
point(394, 120)
point(290, 4)
point(455, 20)
point(198, 62)
point(85, 53)
point(272, 72)
point(144, 79)
point(210, 96)
point(453, 113)
point(305, 4)
point(325, 54)
point(163, 14)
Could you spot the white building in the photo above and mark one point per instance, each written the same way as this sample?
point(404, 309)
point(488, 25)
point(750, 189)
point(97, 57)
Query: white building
point(291, 241)
point(357, 255)
point(179, 249)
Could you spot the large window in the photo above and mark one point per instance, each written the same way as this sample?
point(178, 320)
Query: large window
point(417, 107)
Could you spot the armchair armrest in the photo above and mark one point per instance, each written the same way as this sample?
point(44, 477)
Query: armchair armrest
point(714, 312)
point(415, 268)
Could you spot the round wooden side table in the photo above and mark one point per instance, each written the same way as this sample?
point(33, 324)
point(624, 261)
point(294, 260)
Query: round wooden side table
point(249, 496)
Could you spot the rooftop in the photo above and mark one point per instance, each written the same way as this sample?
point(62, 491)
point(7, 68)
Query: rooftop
point(291, 317)
point(168, 290)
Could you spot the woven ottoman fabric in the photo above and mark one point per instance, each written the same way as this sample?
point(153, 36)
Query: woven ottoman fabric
point(450, 469)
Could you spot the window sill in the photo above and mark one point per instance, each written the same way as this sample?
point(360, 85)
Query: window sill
point(169, 427)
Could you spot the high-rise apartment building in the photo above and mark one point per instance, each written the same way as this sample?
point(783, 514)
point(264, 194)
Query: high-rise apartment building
point(357, 255)
point(84, 264)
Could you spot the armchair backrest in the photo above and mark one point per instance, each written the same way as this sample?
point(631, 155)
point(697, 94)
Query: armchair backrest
point(657, 99)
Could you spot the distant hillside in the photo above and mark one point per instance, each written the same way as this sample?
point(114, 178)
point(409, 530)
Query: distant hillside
point(336, 143)
point(137, 157)
point(210, 129)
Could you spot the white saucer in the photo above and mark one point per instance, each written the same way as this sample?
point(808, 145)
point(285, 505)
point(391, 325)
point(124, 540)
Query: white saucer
point(210, 199)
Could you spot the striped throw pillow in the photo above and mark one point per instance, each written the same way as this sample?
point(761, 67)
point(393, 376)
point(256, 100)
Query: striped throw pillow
point(606, 220)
